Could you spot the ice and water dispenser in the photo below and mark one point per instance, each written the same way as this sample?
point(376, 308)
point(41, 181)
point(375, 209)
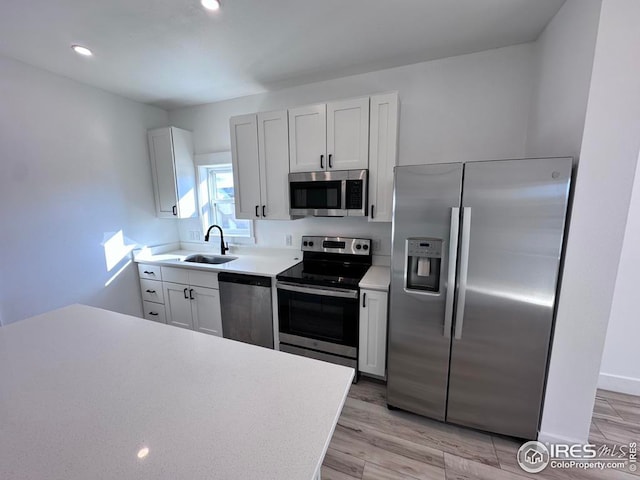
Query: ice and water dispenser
point(424, 256)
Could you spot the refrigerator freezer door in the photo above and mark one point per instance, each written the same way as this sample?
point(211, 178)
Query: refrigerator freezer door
point(427, 197)
point(515, 211)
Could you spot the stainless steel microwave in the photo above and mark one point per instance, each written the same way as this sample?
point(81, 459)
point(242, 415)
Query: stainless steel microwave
point(337, 193)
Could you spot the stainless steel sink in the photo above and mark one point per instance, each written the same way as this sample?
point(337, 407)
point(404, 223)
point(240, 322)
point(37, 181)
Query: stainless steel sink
point(210, 259)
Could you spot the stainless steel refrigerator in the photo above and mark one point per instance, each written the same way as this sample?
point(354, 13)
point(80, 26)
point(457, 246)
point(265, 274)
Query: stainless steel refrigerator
point(474, 273)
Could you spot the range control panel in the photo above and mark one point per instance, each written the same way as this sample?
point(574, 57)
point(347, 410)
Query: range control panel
point(351, 246)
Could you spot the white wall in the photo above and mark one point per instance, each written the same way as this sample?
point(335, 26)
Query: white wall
point(471, 107)
point(74, 167)
point(620, 369)
point(563, 62)
point(608, 158)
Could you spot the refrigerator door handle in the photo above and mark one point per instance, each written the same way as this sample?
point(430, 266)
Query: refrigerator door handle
point(464, 266)
point(451, 274)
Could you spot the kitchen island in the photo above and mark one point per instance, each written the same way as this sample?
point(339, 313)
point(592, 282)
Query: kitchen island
point(88, 393)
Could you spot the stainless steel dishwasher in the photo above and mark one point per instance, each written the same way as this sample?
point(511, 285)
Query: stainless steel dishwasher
point(245, 302)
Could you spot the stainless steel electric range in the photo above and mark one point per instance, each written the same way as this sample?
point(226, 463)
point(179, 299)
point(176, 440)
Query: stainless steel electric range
point(318, 299)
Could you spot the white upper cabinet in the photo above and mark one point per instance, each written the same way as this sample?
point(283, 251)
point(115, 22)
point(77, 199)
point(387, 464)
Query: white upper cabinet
point(308, 138)
point(260, 157)
point(273, 153)
point(246, 167)
point(348, 134)
point(383, 155)
point(174, 179)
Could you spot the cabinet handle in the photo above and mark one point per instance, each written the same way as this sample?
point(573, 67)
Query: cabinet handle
point(149, 273)
point(364, 299)
point(330, 166)
point(257, 211)
point(185, 294)
point(153, 313)
point(191, 294)
point(263, 210)
point(372, 207)
point(151, 291)
point(175, 210)
point(322, 161)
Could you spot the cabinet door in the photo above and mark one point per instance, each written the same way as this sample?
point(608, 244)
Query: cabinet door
point(177, 305)
point(162, 169)
point(383, 155)
point(246, 172)
point(308, 138)
point(273, 153)
point(185, 172)
point(372, 351)
point(205, 308)
point(348, 134)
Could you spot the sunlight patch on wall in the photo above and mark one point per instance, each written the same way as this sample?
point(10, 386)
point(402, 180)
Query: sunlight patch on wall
point(115, 249)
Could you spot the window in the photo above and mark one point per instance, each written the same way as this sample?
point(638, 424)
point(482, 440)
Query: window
point(219, 205)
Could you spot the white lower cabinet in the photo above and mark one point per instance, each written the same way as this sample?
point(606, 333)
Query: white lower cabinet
point(192, 307)
point(372, 353)
point(178, 305)
point(154, 311)
point(205, 311)
point(181, 297)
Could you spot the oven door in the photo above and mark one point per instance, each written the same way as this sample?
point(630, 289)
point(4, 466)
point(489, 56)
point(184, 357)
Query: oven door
point(319, 318)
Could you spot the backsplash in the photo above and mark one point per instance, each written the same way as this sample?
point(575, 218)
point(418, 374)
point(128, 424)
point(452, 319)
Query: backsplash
point(273, 233)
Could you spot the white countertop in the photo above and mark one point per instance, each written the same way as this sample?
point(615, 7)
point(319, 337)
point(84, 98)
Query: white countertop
point(376, 278)
point(266, 264)
point(83, 391)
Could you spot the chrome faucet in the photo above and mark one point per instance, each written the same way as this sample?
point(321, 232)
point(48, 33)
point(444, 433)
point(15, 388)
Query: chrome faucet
point(223, 247)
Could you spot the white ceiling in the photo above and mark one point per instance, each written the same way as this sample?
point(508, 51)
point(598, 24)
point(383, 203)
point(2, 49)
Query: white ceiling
point(173, 53)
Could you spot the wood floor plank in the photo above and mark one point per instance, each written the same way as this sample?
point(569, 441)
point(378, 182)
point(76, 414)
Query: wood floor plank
point(370, 391)
point(401, 446)
point(376, 472)
point(328, 473)
point(464, 442)
point(374, 443)
point(629, 412)
point(341, 462)
point(603, 409)
point(618, 430)
point(458, 468)
point(347, 442)
point(609, 395)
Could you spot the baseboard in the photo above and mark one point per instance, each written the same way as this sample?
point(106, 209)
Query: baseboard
point(620, 384)
point(546, 437)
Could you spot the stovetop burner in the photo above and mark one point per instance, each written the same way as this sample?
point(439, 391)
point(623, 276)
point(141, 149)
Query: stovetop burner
point(331, 261)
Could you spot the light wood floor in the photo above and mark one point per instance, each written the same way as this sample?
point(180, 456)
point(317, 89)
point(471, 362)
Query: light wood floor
point(373, 443)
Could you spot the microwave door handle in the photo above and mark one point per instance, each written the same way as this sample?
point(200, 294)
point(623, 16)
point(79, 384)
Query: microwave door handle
point(343, 194)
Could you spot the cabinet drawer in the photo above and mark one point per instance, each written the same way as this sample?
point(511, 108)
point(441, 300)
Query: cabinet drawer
point(175, 275)
point(203, 279)
point(151, 291)
point(154, 311)
point(152, 272)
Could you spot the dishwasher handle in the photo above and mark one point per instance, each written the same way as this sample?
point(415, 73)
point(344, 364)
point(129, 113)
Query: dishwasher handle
point(242, 279)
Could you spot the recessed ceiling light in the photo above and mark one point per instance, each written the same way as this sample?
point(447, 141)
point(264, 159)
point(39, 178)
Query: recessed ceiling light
point(211, 4)
point(79, 49)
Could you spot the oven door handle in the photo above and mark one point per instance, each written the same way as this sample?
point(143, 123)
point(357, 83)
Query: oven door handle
point(325, 292)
